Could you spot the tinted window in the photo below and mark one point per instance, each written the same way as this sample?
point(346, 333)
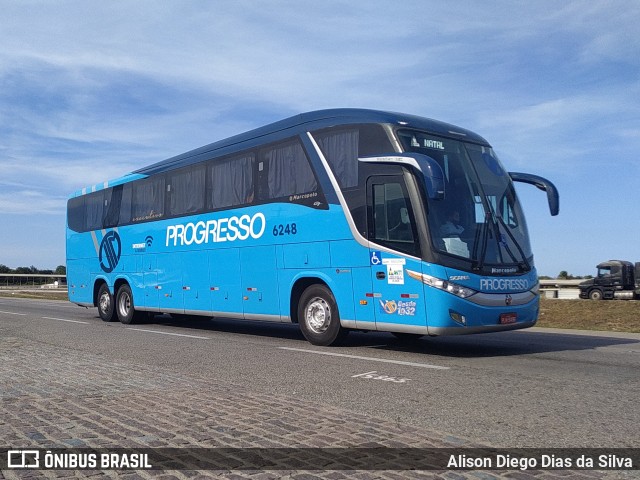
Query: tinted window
point(230, 182)
point(94, 206)
point(186, 190)
point(113, 198)
point(340, 148)
point(75, 213)
point(147, 201)
point(392, 218)
point(288, 170)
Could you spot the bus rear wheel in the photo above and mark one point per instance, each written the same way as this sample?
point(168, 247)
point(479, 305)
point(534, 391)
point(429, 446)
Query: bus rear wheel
point(318, 316)
point(124, 305)
point(105, 302)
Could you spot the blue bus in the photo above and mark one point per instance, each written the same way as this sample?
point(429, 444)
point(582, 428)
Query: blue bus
point(335, 220)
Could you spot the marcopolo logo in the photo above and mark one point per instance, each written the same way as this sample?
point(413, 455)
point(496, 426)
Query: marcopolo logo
point(220, 230)
point(110, 250)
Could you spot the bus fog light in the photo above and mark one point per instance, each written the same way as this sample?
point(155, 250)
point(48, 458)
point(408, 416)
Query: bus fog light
point(457, 317)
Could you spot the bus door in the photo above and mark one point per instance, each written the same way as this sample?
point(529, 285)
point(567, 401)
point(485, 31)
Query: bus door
point(398, 299)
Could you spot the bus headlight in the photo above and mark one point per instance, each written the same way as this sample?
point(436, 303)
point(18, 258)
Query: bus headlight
point(453, 288)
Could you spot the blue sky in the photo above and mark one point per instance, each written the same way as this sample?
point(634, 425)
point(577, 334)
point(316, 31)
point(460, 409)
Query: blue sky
point(92, 90)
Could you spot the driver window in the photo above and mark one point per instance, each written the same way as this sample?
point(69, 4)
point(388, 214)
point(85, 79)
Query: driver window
point(392, 218)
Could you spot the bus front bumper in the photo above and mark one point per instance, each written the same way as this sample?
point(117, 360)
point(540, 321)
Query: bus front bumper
point(483, 314)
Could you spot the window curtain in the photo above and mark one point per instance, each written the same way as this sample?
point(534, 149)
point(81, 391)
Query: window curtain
point(148, 199)
point(231, 182)
point(187, 191)
point(289, 171)
point(341, 151)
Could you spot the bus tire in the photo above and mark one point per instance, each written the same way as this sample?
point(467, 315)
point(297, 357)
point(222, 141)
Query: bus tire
point(319, 317)
point(124, 305)
point(106, 307)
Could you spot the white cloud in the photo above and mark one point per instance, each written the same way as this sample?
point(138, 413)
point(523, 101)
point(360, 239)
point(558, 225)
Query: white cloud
point(27, 202)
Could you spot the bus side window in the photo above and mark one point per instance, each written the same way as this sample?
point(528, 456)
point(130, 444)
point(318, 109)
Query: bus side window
point(288, 170)
point(340, 148)
point(94, 208)
point(147, 201)
point(230, 182)
point(112, 214)
point(75, 213)
point(185, 190)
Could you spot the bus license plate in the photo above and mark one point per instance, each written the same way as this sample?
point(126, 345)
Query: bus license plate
point(507, 318)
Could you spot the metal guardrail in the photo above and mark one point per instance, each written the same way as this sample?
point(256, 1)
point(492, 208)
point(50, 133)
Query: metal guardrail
point(558, 283)
point(32, 280)
point(560, 288)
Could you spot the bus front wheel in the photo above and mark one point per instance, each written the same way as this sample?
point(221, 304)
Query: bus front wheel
point(106, 309)
point(318, 316)
point(124, 305)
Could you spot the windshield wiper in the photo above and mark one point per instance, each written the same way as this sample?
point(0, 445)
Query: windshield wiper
point(525, 263)
point(479, 265)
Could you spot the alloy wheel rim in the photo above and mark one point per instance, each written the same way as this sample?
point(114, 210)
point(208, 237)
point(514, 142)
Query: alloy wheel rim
point(318, 315)
point(105, 302)
point(124, 305)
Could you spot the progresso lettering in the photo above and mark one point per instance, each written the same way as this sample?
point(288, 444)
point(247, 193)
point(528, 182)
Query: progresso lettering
point(219, 230)
point(503, 284)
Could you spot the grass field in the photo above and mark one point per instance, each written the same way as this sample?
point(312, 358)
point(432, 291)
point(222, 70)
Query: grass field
point(606, 315)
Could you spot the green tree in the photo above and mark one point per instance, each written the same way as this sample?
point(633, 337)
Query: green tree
point(25, 270)
point(61, 270)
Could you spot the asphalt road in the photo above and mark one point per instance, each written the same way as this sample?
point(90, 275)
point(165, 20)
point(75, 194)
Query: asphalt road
point(533, 388)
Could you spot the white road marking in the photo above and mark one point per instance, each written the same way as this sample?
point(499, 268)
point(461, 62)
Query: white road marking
point(371, 359)
point(14, 313)
point(168, 333)
point(65, 320)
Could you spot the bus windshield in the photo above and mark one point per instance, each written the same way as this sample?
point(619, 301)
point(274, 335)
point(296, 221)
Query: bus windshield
point(480, 219)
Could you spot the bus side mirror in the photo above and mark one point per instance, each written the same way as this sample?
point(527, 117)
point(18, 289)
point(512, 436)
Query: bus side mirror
point(543, 184)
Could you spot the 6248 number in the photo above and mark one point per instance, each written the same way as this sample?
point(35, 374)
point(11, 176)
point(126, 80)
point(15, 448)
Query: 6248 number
point(288, 229)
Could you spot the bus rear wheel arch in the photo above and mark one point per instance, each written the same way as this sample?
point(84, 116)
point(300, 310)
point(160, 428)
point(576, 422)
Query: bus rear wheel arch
point(318, 316)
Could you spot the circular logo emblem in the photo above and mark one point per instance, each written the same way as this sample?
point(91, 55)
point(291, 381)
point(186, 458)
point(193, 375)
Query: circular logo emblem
point(110, 250)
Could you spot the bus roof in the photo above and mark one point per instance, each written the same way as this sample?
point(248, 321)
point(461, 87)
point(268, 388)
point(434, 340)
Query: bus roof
point(312, 121)
point(293, 126)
